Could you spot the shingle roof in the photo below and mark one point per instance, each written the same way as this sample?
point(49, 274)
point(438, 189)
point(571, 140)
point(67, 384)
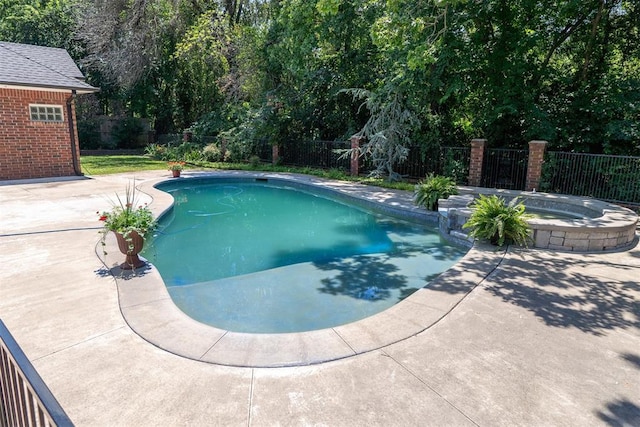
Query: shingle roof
point(39, 66)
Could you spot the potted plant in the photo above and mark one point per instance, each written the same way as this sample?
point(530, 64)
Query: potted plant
point(434, 187)
point(130, 223)
point(494, 220)
point(175, 168)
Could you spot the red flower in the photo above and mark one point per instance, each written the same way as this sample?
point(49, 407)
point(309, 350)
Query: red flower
point(102, 218)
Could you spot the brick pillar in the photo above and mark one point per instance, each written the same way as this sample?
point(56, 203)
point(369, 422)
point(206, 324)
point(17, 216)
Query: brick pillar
point(475, 164)
point(355, 155)
point(534, 168)
point(275, 154)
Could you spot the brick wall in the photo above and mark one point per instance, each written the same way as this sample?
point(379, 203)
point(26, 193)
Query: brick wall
point(31, 149)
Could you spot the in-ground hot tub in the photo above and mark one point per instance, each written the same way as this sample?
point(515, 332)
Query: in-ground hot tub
point(596, 226)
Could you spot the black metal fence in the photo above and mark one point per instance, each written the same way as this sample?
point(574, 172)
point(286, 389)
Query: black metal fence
point(448, 161)
point(318, 154)
point(25, 400)
point(614, 179)
point(505, 168)
point(611, 178)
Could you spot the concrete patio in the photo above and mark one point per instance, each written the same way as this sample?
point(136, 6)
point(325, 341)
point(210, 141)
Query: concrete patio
point(546, 338)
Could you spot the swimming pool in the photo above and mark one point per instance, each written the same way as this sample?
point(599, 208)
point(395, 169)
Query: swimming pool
point(260, 257)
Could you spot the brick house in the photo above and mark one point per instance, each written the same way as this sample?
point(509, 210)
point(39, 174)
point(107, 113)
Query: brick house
point(38, 134)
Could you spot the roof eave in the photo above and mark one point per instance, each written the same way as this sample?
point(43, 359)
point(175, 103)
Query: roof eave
point(26, 86)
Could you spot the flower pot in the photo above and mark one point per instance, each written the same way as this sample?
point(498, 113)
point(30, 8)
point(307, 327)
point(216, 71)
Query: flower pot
point(176, 174)
point(131, 247)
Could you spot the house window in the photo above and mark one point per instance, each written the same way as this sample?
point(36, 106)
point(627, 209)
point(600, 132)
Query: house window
point(46, 113)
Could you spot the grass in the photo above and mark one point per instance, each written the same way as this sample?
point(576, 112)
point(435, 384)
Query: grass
point(105, 165)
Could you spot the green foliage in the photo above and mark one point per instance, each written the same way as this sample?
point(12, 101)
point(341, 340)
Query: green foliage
point(387, 130)
point(127, 132)
point(456, 169)
point(434, 187)
point(567, 72)
point(155, 151)
point(213, 153)
point(89, 135)
point(254, 161)
point(185, 152)
point(39, 22)
point(498, 222)
point(201, 64)
point(127, 216)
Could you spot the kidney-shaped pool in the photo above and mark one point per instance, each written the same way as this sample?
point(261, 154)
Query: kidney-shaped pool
point(258, 256)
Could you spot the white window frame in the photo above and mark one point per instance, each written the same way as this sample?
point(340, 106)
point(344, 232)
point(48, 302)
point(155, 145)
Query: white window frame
point(46, 113)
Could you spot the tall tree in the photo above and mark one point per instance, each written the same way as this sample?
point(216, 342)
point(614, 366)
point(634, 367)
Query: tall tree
point(39, 22)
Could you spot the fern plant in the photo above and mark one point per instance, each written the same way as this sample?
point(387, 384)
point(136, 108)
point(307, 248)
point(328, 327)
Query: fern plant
point(495, 220)
point(434, 187)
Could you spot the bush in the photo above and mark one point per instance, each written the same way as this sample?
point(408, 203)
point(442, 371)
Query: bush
point(213, 153)
point(126, 133)
point(89, 135)
point(434, 187)
point(254, 161)
point(498, 222)
point(155, 151)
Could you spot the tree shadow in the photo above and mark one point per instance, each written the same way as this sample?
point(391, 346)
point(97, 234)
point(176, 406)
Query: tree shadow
point(370, 277)
point(564, 292)
point(632, 358)
point(467, 273)
point(373, 272)
point(381, 276)
point(620, 413)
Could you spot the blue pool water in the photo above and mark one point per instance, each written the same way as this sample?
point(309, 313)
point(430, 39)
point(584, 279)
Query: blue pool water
point(256, 257)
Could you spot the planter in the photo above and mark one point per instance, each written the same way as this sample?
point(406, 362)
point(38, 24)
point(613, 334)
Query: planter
point(131, 249)
point(176, 174)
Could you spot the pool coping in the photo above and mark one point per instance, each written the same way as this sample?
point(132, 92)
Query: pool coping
point(148, 309)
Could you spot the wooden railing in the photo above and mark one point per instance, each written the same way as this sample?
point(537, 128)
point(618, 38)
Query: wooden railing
point(25, 400)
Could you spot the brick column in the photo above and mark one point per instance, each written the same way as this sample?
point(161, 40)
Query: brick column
point(534, 167)
point(355, 155)
point(275, 154)
point(475, 164)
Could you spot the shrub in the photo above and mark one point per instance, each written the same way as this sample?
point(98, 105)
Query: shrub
point(254, 161)
point(498, 222)
point(155, 151)
point(213, 153)
point(434, 187)
point(126, 132)
point(89, 135)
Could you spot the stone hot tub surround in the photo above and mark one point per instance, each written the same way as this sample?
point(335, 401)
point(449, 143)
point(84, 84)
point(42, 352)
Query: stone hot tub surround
point(601, 227)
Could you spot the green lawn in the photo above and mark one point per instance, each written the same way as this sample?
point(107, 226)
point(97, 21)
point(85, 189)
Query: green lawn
point(104, 165)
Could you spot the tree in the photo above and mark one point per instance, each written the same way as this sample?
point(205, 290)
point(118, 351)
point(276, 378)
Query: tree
point(39, 22)
point(387, 130)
